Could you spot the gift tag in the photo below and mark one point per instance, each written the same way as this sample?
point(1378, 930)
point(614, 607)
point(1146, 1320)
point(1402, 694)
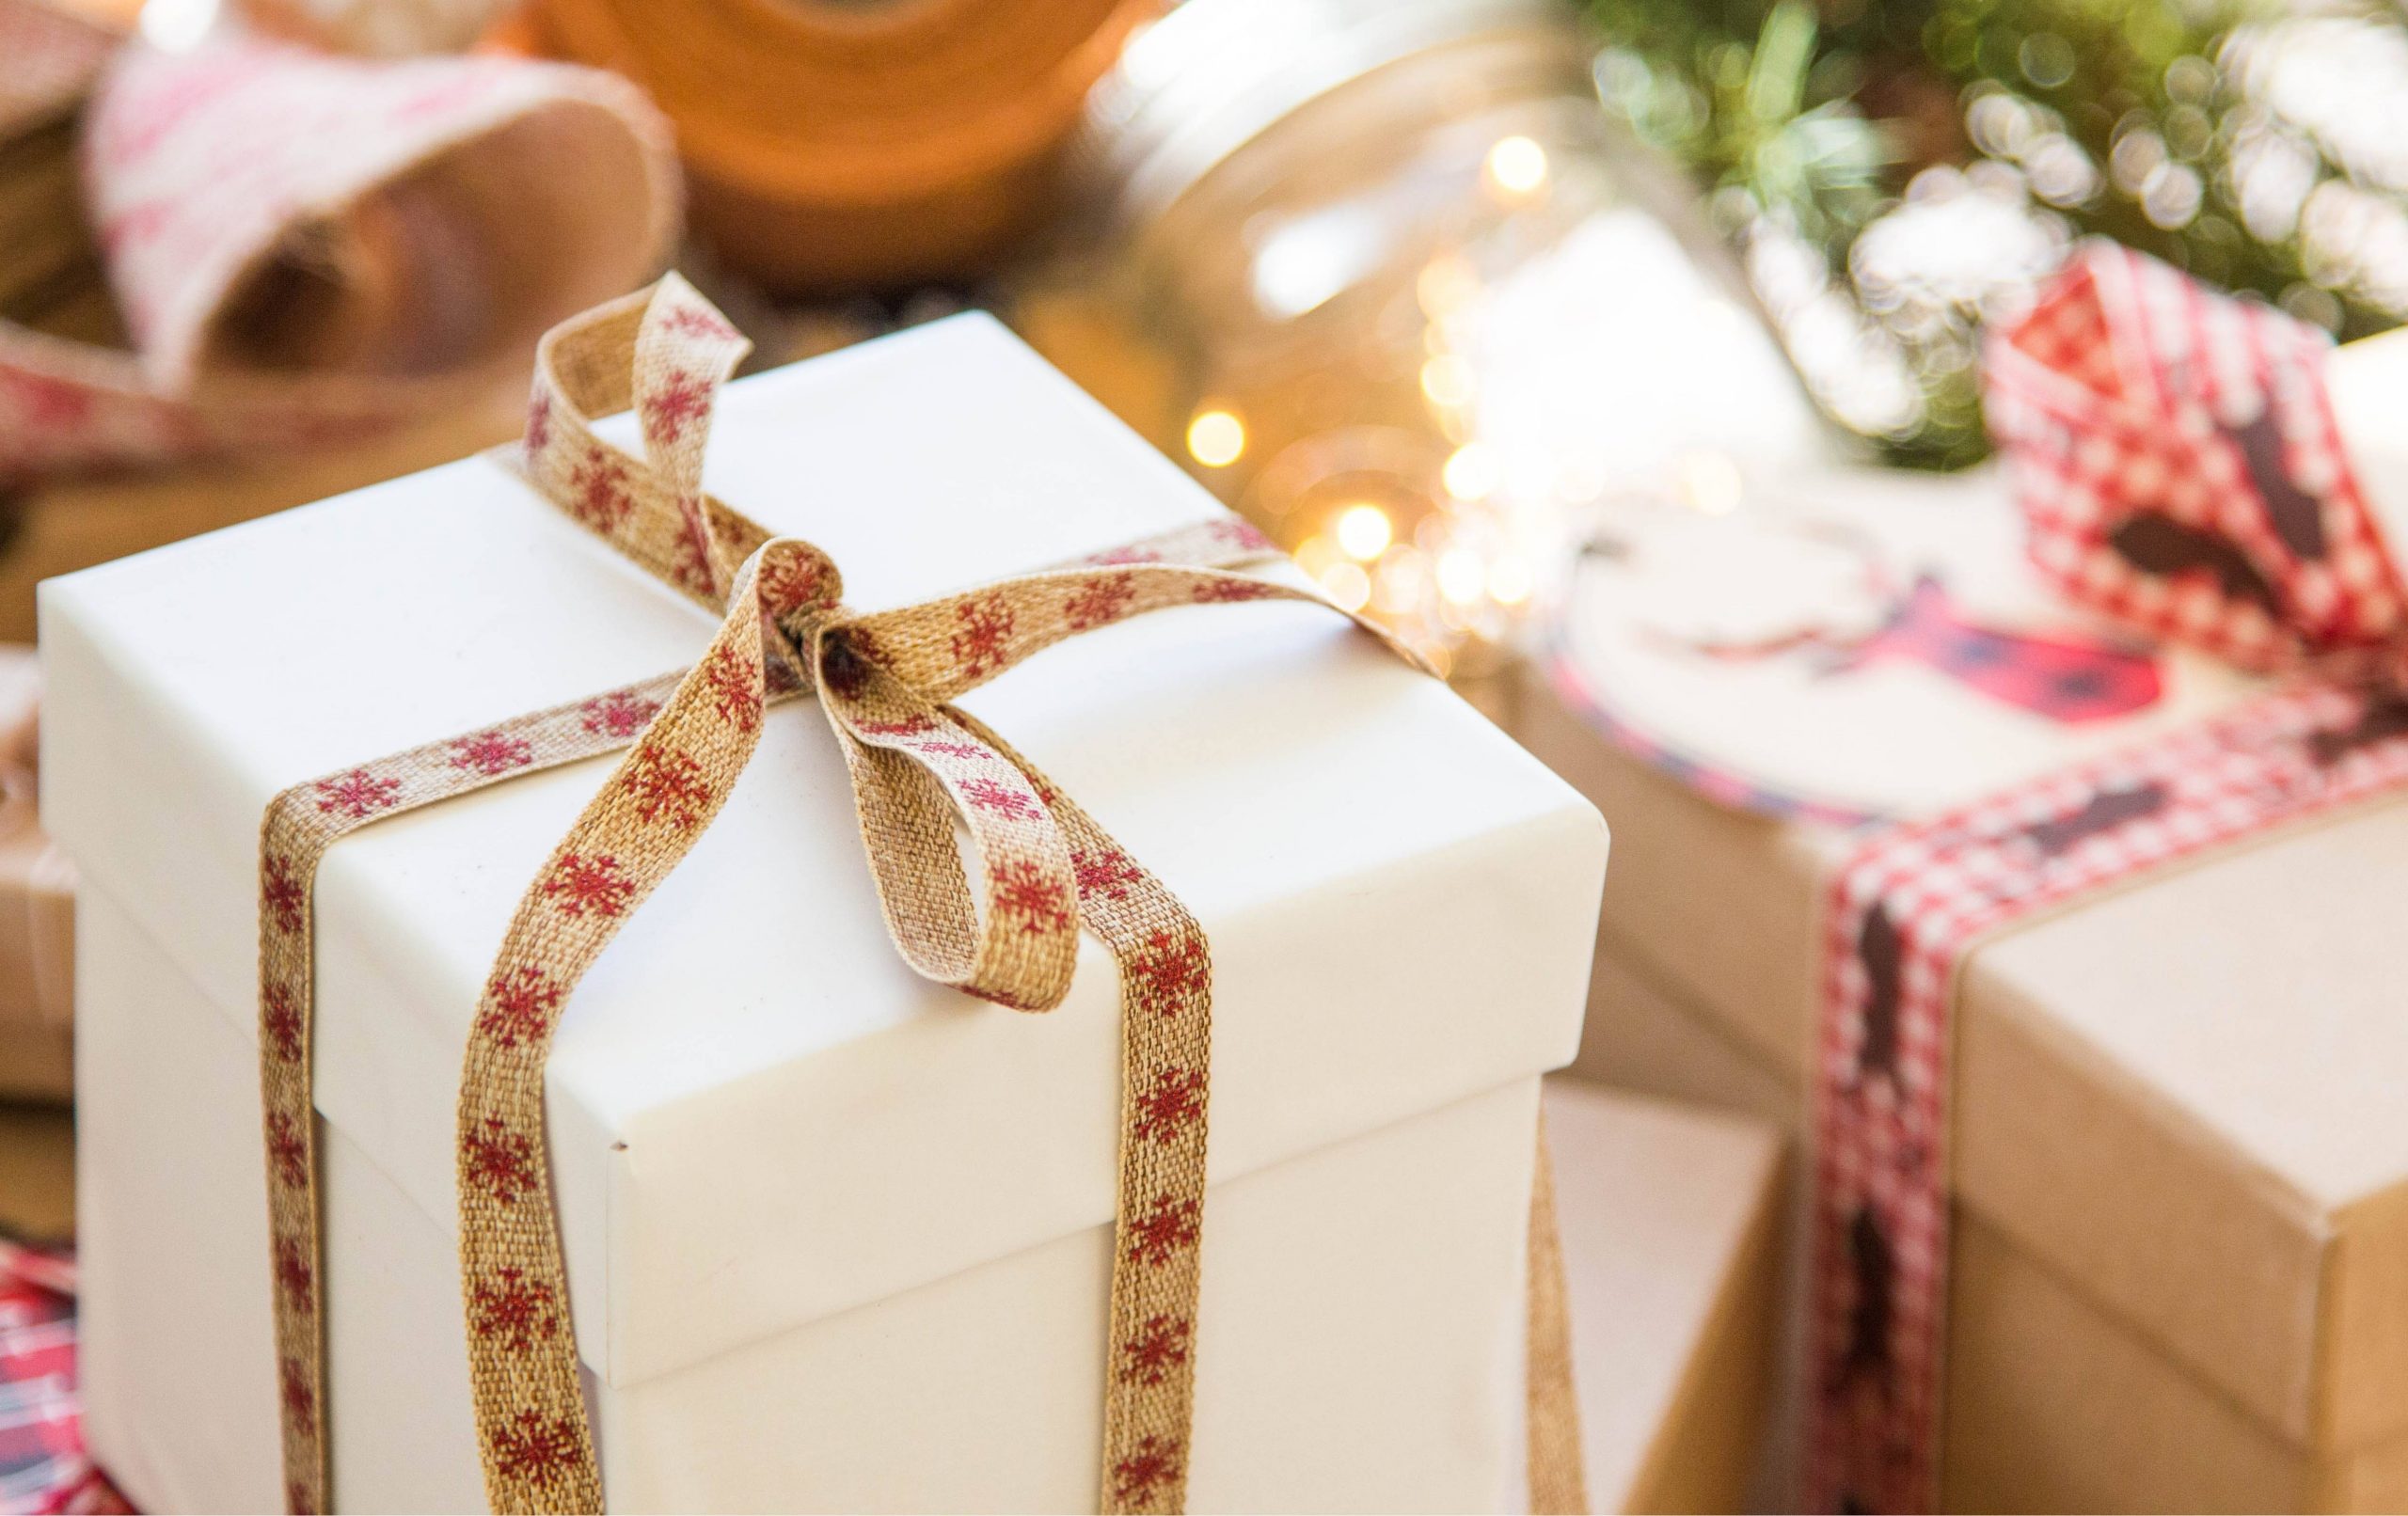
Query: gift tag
point(1848, 645)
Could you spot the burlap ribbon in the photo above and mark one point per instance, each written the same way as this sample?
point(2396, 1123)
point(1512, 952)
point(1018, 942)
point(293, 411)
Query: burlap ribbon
point(300, 247)
point(885, 681)
point(2177, 457)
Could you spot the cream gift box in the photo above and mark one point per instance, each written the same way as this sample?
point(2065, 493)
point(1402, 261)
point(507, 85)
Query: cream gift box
point(836, 1238)
point(1671, 1217)
point(2181, 1165)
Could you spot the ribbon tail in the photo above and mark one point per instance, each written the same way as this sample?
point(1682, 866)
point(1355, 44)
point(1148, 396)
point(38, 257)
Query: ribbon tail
point(1559, 1481)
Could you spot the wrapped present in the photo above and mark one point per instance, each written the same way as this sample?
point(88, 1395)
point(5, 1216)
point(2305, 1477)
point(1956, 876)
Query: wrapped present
point(2054, 896)
point(829, 1232)
point(1671, 1219)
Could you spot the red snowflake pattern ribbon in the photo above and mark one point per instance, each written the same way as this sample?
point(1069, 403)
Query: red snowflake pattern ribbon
point(2176, 455)
point(919, 765)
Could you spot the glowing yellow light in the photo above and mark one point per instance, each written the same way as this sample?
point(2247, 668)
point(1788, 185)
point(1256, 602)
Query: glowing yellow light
point(1460, 578)
point(1446, 284)
point(1517, 165)
point(1215, 438)
point(1709, 482)
point(1347, 584)
point(1471, 471)
point(1315, 554)
point(1364, 531)
point(1509, 581)
point(1447, 381)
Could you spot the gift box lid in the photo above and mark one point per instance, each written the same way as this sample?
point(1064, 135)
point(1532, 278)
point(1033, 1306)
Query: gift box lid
point(759, 1115)
point(2181, 1094)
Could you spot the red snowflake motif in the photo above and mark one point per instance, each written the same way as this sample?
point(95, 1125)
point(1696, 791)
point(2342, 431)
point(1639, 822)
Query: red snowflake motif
point(500, 1161)
point(521, 1009)
point(1108, 872)
point(539, 418)
point(791, 582)
point(513, 1313)
point(285, 1149)
point(952, 750)
point(1123, 555)
point(669, 785)
point(736, 687)
point(1021, 891)
point(1172, 968)
point(300, 1400)
point(695, 322)
point(680, 398)
point(1153, 1466)
point(491, 753)
point(536, 1450)
point(281, 1020)
point(294, 1275)
point(357, 794)
point(619, 713)
point(1217, 592)
point(1166, 1227)
point(1239, 534)
point(1009, 801)
point(594, 884)
point(910, 726)
point(1165, 1110)
point(598, 485)
point(280, 891)
point(1104, 598)
point(1159, 1346)
point(986, 626)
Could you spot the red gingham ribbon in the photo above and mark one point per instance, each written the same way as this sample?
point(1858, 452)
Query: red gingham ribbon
point(2176, 454)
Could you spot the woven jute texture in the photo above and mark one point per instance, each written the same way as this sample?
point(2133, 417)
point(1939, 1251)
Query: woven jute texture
point(919, 765)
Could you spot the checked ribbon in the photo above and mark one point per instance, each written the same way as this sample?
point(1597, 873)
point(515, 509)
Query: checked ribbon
point(2177, 457)
point(885, 681)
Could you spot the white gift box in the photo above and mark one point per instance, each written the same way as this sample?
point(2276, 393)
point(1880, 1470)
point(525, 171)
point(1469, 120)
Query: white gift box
point(837, 1237)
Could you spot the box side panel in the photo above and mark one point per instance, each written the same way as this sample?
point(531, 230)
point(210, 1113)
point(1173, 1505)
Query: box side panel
point(2157, 1218)
point(178, 1359)
point(2364, 1364)
point(1358, 1351)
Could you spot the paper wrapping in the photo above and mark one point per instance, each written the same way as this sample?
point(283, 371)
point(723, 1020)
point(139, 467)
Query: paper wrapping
point(1389, 815)
point(2174, 1096)
point(2059, 1404)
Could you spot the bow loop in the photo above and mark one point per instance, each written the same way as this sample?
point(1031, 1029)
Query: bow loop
point(2180, 469)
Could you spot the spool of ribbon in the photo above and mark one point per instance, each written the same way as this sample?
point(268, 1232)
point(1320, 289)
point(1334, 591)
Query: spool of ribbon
point(2177, 457)
point(862, 143)
point(301, 248)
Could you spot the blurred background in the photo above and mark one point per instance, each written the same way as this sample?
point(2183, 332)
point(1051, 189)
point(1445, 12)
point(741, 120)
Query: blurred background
point(1412, 283)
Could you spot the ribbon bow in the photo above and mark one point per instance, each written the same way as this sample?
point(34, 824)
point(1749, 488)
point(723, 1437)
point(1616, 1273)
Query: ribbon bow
point(885, 681)
point(2176, 455)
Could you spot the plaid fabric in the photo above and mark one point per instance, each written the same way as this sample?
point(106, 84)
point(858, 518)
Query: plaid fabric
point(2178, 461)
point(43, 1466)
point(2177, 456)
